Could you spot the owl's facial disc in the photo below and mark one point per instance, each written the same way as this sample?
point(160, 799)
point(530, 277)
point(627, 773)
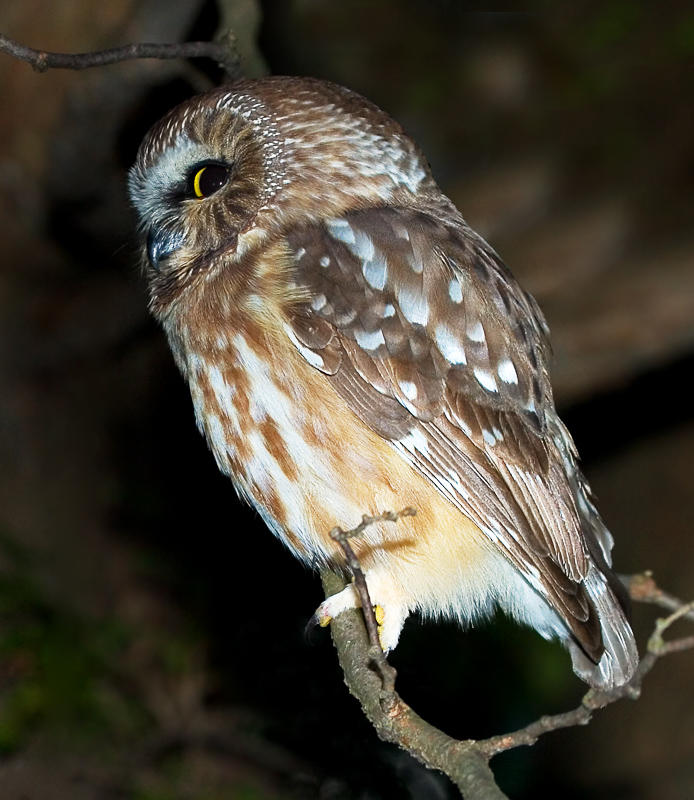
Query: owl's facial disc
point(201, 177)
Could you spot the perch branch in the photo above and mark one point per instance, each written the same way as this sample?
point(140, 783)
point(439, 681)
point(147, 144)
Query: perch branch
point(466, 762)
point(356, 638)
point(399, 724)
point(223, 52)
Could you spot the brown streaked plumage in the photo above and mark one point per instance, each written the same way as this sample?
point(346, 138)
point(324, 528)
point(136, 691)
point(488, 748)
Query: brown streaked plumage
point(352, 345)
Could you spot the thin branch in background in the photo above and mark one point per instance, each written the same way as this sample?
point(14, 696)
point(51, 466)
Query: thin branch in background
point(658, 646)
point(643, 589)
point(596, 699)
point(224, 52)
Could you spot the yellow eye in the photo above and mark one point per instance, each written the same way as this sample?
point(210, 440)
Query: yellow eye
point(209, 179)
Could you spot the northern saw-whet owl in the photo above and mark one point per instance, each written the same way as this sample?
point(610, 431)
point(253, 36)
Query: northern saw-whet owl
point(352, 346)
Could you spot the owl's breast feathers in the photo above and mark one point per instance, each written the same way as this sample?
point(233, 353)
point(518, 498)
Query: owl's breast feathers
point(299, 453)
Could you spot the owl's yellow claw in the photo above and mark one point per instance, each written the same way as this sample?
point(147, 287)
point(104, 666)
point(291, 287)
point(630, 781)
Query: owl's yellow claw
point(380, 614)
point(324, 621)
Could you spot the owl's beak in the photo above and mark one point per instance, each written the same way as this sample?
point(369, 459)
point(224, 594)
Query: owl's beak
point(161, 244)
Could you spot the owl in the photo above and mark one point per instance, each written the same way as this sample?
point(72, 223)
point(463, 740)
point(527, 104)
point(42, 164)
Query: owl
point(352, 345)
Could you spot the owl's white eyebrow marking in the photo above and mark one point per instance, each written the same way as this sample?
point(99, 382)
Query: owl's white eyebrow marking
point(341, 229)
point(371, 340)
point(413, 305)
point(485, 379)
point(376, 273)
point(475, 332)
point(449, 345)
point(507, 372)
point(455, 290)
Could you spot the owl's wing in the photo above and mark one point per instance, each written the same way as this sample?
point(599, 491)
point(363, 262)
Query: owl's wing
point(434, 345)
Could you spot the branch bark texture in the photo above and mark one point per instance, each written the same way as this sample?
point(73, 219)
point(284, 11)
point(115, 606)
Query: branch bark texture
point(393, 720)
point(223, 52)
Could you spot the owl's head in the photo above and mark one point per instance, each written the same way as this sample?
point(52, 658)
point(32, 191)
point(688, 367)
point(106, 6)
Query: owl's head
point(229, 170)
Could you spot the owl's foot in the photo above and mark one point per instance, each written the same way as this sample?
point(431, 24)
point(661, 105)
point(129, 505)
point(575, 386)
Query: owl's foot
point(389, 611)
point(335, 604)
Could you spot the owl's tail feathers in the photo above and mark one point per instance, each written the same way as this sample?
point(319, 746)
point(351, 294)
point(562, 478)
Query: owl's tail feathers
point(620, 657)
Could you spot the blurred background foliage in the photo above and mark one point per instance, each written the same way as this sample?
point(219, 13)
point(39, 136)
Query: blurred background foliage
point(151, 631)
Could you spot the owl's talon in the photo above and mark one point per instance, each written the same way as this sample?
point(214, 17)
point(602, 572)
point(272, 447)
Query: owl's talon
point(324, 621)
point(380, 614)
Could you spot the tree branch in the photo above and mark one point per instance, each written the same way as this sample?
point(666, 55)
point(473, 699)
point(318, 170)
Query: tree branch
point(371, 679)
point(643, 589)
point(224, 52)
point(399, 724)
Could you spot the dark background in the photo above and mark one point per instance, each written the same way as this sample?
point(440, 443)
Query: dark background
point(152, 640)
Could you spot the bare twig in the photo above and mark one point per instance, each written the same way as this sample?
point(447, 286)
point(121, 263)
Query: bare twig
point(376, 654)
point(657, 645)
point(643, 588)
point(224, 52)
